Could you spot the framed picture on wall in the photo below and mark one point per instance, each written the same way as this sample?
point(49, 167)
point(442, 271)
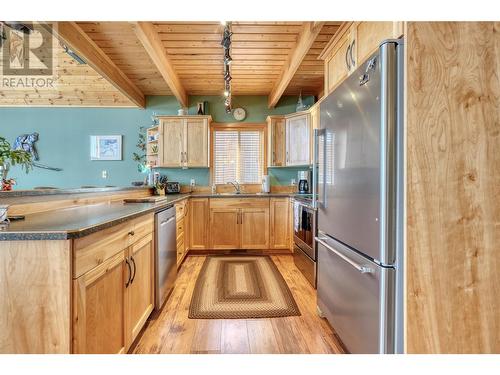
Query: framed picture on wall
point(105, 147)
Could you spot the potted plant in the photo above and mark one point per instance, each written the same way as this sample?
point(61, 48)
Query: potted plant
point(10, 157)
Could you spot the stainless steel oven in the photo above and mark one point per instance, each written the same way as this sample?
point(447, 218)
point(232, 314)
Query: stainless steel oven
point(304, 232)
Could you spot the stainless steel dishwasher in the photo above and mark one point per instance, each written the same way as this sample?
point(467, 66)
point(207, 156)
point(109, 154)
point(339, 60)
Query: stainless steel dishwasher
point(165, 255)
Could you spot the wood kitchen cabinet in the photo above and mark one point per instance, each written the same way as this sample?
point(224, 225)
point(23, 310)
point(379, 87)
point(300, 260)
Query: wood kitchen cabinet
point(276, 141)
point(280, 225)
point(140, 290)
point(99, 308)
point(239, 223)
point(254, 227)
point(298, 138)
point(352, 45)
point(187, 139)
point(112, 300)
point(198, 223)
point(224, 228)
point(182, 230)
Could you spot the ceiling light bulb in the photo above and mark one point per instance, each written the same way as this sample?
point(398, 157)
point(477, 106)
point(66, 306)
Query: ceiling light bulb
point(226, 93)
point(223, 23)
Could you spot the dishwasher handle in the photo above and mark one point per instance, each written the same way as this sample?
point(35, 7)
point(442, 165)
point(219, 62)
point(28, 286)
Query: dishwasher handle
point(360, 268)
point(164, 222)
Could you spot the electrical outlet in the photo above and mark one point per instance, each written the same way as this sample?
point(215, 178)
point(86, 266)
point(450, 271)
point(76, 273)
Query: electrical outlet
point(104, 174)
point(193, 182)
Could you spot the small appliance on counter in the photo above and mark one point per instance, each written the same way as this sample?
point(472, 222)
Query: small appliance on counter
point(266, 184)
point(173, 188)
point(304, 178)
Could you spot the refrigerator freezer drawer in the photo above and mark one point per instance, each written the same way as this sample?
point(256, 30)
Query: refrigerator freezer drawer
point(354, 294)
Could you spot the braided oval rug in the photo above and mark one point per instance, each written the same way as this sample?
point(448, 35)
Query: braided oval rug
point(241, 287)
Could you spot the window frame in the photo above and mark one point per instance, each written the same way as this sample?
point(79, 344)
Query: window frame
point(262, 127)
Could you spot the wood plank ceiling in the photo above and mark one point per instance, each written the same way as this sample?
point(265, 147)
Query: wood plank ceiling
point(260, 51)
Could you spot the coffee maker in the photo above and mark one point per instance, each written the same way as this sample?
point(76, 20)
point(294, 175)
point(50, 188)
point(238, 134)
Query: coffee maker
point(304, 178)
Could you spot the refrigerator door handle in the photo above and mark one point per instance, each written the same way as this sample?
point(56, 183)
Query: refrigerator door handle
point(360, 268)
point(319, 199)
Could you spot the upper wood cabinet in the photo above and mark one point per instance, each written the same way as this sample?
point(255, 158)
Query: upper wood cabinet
point(276, 141)
point(298, 139)
point(184, 141)
point(352, 45)
point(198, 223)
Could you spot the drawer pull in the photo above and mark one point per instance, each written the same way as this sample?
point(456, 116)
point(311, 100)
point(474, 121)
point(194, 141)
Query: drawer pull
point(129, 272)
point(135, 270)
point(131, 233)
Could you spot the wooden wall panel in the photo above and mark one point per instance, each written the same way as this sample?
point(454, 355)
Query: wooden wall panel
point(35, 308)
point(453, 187)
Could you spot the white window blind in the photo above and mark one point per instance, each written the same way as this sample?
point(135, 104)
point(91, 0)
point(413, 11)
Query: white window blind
point(238, 155)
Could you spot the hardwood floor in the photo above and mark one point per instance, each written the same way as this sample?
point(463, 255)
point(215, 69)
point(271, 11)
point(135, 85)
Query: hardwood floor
point(172, 332)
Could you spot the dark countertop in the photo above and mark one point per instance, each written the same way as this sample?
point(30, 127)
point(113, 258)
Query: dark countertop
point(76, 222)
point(38, 192)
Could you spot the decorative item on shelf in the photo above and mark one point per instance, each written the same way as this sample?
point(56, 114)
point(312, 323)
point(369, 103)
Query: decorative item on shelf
point(26, 142)
point(105, 147)
point(226, 44)
point(200, 109)
point(154, 149)
point(154, 119)
point(182, 112)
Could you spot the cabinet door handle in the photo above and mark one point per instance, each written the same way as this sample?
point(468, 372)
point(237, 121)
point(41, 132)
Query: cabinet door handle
point(351, 53)
point(347, 52)
point(129, 273)
point(135, 269)
point(131, 233)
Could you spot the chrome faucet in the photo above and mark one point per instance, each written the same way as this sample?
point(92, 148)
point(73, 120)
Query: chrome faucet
point(236, 185)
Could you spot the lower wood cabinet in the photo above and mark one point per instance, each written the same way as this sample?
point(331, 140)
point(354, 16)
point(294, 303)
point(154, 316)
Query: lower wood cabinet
point(224, 228)
point(139, 294)
point(239, 223)
point(280, 223)
point(99, 308)
point(198, 223)
point(254, 224)
point(112, 301)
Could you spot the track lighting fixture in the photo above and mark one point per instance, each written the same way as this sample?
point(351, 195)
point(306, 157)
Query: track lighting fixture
point(226, 44)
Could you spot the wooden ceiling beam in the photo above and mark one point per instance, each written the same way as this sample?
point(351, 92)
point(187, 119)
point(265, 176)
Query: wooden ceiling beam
point(305, 40)
point(153, 45)
point(75, 38)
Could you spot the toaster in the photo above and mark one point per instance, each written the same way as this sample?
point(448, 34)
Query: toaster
point(173, 188)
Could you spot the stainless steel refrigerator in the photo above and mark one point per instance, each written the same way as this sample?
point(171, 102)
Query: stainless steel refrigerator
point(358, 181)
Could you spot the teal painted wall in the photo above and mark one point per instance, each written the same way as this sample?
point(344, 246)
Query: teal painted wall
point(65, 139)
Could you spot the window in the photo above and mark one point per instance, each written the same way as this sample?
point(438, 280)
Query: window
point(238, 154)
